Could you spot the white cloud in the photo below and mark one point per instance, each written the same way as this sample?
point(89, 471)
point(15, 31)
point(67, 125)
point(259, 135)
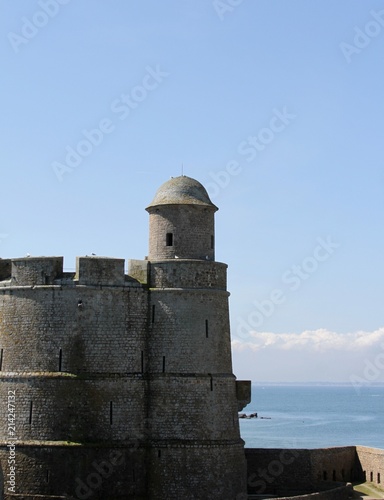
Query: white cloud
point(320, 340)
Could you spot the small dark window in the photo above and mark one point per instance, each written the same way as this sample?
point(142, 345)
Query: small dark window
point(324, 475)
point(206, 328)
point(378, 478)
point(60, 359)
point(163, 364)
point(110, 412)
point(334, 476)
point(1, 359)
point(169, 240)
point(30, 412)
point(371, 477)
point(153, 313)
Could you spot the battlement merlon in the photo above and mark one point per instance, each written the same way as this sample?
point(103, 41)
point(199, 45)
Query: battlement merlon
point(100, 271)
point(30, 271)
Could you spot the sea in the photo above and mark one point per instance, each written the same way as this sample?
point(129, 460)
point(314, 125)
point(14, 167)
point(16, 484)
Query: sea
point(314, 416)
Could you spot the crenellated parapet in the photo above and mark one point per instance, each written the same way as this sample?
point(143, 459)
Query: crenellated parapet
point(42, 271)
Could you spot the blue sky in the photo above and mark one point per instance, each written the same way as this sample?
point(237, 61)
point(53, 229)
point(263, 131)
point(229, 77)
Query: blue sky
point(275, 106)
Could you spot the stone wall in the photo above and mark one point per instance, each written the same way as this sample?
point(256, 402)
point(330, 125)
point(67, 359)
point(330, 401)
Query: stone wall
point(333, 464)
point(193, 408)
point(189, 331)
point(73, 355)
point(212, 471)
point(371, 464)
point(292, 472)
point(59, 408)
point(36, 270)
point(284, 472)
point(76, 329)
point(96, 359)
point(192, 230)
point(188, 274)
point(297, 471)
point(79, 471)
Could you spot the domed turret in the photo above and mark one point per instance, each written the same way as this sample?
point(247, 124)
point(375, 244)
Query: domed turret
point(181, 223)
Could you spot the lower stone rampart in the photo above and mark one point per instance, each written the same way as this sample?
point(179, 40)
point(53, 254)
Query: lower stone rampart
point(300, 473)
point(371, 465)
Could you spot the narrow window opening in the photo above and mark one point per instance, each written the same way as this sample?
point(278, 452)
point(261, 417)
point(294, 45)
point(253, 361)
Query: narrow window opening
point(48, 476)
point(142, 361)
point(324, 475)
point(60, 359)
point(30, 412)
point(206, 328)
point(211, 383)
point(110, 413)
point(1, 359)
point(169, 240)
point(378, 478)
point(159, 453)
point(334, 475)
point(343, 473)
point(163, 364)
point(212, 242)
point(371, 477)
point(153, 313)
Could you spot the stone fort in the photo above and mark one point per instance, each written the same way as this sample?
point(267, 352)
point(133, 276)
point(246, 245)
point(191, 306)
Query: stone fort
point(123, 384)
point(120, 386)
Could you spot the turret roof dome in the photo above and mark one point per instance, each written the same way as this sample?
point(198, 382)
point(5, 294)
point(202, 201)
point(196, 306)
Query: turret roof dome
point(182, 190)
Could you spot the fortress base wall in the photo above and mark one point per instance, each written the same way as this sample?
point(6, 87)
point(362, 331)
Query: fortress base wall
point(72, 470)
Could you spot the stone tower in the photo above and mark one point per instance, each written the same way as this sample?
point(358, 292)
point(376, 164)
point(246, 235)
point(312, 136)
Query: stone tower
point(195, 447)
point(116, 386)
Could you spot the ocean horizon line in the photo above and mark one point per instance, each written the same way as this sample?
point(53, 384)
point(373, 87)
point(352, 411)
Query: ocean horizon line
point(319, 383)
